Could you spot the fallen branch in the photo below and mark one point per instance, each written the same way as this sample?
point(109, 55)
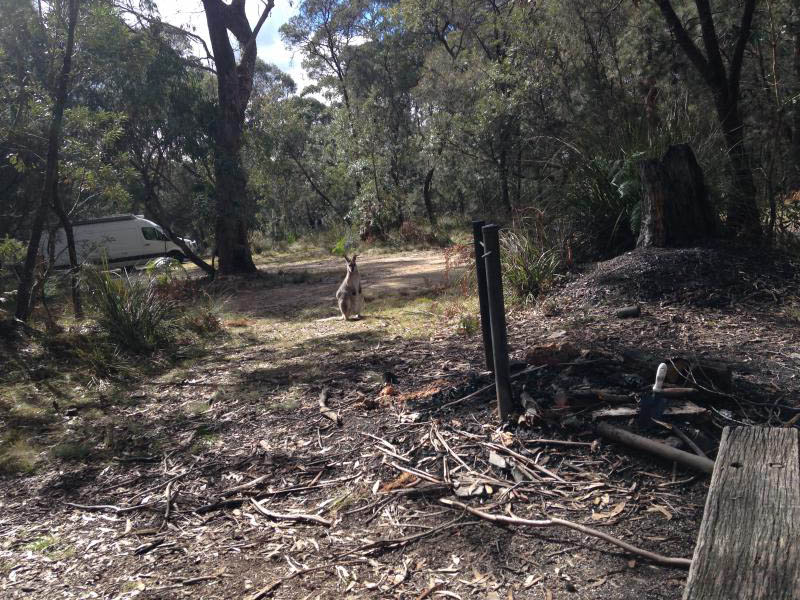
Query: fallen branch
point(168, 498)
point(685, 438)
point(244, 486)
point(616, 434)
point(491, 386)
point(524, 459)
point(683, 563)
point(403, 541)
point(291, 517)
point(556, 442)
point(145, 548)
point(326, 411)
point(116, 509)
point(229, 503)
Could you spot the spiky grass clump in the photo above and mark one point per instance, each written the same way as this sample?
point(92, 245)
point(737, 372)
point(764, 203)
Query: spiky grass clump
point(528, 268)
point(130, 309)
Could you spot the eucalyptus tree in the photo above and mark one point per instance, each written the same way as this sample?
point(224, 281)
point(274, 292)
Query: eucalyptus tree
point(720, 65)
point(50, 186)
point(234, 87)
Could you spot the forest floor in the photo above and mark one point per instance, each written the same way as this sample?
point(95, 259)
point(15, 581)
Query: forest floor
point(221, 477)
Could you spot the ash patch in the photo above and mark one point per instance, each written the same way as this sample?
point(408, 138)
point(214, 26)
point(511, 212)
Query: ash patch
point(716, 277)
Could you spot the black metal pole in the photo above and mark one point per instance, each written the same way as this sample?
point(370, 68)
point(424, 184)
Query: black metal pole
point(483, 295)
point(497, 313)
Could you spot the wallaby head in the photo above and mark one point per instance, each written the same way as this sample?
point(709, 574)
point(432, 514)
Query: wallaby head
point(351, 263)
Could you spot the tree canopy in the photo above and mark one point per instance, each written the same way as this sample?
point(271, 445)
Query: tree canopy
point(418, 111)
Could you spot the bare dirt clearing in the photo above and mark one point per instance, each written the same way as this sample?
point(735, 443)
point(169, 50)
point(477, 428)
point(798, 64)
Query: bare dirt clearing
point(174, 496)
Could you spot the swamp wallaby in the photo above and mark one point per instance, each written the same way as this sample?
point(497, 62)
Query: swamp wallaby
point(349, 296)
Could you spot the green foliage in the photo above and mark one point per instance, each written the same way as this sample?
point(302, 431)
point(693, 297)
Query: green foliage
point(130, 309)
point(11, 253)
point(165, 270)
point(468, 324)
point(417, 112)
point(529, 269)
point(340, 249)
point(71, 451)
point(17, 456)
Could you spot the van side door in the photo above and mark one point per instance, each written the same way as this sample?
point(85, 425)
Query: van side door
point(155, 241)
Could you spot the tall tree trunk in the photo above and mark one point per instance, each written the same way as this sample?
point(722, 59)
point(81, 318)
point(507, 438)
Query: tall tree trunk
point(741, 210)
point(796, 116)
point(234, 86)
point(426, 196)
point(502, 168)
point(231, 204)
point(66, 224)
point(153, 205)
point(50, 188)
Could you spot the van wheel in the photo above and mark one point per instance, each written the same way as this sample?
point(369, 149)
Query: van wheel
point(177, 256)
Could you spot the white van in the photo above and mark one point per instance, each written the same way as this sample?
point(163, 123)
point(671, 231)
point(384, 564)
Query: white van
point(125, 240)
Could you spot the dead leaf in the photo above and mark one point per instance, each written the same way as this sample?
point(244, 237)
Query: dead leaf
point(497, 460)
point(617, 509)
point(404, 480)
point(506, 438)
point(388, 390)
point(597, 583)
point(532, 580)
point(660, 509)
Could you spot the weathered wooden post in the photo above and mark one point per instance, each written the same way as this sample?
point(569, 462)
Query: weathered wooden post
point(497, 316)
point(483, 298)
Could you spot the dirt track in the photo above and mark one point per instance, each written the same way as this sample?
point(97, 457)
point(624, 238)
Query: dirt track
point(408, 274)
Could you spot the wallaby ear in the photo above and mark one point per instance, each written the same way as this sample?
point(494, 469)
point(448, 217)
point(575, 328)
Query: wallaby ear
point(355, 256)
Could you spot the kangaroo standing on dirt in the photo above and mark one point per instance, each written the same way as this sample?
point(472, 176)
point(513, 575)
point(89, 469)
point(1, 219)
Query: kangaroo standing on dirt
point(349, 296)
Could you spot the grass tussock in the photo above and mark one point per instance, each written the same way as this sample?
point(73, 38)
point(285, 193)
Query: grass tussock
point(131, 310)
point(529, 269)
point(18, 457)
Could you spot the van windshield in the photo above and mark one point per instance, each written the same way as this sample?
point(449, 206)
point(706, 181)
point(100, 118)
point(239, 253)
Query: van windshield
point(151, 233)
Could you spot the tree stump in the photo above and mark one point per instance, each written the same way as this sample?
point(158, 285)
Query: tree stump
point(676, 209)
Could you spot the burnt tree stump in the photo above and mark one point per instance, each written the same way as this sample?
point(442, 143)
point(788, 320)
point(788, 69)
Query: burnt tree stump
point(676, 209)
point(749, 541)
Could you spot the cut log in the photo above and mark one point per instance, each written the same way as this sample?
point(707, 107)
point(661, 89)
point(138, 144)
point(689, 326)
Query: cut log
point(749, 542)
point(676, 209)
point(552, 354)
point(629, 311)
point(682, 409)
point(668, 452)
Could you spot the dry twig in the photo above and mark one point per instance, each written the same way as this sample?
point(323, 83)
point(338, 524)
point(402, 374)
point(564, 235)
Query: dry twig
point(291, 517)
point(683, 563)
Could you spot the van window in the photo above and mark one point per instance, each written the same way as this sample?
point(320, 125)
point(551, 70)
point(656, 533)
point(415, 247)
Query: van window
point(151, 233)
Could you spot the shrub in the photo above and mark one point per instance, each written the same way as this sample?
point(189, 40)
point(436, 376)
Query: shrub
point(165, 270)
point(260, 242)
point(203, 317)
point(340, 248)
point(606, 196)
point(11, 253)
point(130, 309)
point(529, 269)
